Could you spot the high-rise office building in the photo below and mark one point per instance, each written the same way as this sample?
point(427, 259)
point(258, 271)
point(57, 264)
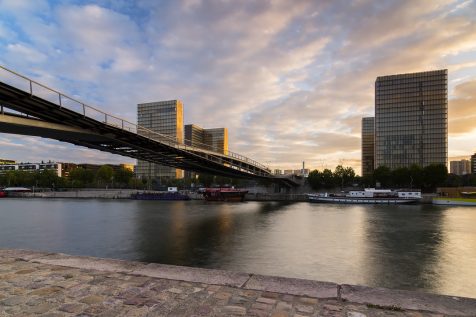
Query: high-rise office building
point(212, 139)
point(411, 119)
point(461, 167)
point(473, 164)
point(166, 118)
point(368, 143)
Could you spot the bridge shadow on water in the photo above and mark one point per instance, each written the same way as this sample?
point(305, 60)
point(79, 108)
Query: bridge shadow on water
point(201, 235)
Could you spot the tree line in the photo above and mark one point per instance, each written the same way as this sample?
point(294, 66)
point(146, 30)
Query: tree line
point(426, 178)
point(78, 177)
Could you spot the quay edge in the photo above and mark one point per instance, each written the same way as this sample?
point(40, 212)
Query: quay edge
point(335, 295)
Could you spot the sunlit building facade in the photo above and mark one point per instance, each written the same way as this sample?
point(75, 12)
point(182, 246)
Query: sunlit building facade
point(166, 118)
point(211, 139)
point(368, 144)
point(411, 119)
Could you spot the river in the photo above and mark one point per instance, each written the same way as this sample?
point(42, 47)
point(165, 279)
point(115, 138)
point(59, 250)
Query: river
point(417, 247)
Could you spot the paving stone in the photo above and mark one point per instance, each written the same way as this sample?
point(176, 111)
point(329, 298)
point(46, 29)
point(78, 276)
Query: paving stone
point(45, 291)
point(304, 308)
point(234, 310)
point(73, 308)
point(266, 300)
point(40, 309)
point(280, 313)
point(262, 306)
point(14, 301)
point(284, 306)
point(355, 314)
point(92, 299)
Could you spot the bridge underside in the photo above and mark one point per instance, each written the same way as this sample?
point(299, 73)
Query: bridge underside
point(49, 120)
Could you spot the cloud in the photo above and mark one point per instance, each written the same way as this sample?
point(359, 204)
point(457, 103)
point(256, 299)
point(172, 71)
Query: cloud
point(290, 79)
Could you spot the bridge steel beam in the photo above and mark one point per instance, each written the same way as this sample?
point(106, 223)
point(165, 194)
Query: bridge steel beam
point(51, 120)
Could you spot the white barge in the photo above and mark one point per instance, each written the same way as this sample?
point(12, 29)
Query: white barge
point(369, 196)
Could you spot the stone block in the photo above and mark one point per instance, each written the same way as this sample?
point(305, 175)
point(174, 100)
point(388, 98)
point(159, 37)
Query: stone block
point(292, 286)
point(446, 305)
point(191, 274)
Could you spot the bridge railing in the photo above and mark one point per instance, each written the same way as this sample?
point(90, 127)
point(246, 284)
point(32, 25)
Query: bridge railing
point(37, 89)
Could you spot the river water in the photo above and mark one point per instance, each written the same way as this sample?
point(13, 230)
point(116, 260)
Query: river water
point(418, 247)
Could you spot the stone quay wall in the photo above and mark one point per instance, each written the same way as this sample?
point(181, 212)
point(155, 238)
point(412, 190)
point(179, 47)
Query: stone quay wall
point(55, 284)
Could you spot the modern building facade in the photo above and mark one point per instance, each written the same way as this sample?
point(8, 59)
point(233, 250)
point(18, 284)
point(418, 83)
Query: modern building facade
point(368, 145)
point(473, 164)
point(166, 118)
point(461, 167)
point(212, 139)
point(411, 119)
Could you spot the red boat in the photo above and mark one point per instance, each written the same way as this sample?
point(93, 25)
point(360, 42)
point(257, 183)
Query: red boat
point(224, 194)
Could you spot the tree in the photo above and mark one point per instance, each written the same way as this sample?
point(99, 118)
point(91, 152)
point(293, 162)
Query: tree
point(104, 174)
point(327, 178)
point(383, 175)
point(314, 179)
point(435, 175)
point(401, 177)
point(80, 177)
point(349, 175)
point(416, 176)
point(123, 176)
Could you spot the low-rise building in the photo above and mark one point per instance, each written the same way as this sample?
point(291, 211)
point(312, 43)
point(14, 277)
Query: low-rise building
point(4, 161)
point(32, 167)
point(461, 167)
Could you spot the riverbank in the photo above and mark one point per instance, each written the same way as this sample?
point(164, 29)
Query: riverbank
point(55, 284)
point(126, 194)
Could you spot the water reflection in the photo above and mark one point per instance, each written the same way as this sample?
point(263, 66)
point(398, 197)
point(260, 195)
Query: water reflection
point(412, 247)
point(403, 246)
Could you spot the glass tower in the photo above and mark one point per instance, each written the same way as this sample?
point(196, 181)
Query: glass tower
point(411, 119)
point(368, 143)
point(164, 117)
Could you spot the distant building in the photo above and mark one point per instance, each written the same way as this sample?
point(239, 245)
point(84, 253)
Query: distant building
point(461, 167)
point(32, 167)
point(3, 161)
point(288, 172)
point(473, 164)
point(411, 119)
point(278, 172)
point(166, 118)
point(368, 144)
point(126, 166)
point(211, 139)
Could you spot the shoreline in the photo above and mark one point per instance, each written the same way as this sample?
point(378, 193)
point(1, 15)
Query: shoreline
point(271, 293)
point(126, 194)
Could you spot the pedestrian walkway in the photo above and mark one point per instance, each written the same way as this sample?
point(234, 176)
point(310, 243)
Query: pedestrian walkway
point(46, 284)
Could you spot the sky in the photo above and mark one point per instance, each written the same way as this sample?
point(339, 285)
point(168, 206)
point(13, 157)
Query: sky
point(290, 79)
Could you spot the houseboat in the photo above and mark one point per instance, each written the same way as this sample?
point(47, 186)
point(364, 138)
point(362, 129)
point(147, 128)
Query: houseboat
point(368, 196)
point(224, 194)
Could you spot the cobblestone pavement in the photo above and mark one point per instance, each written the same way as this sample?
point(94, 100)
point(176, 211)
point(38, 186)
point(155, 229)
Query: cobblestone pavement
point(28, 288)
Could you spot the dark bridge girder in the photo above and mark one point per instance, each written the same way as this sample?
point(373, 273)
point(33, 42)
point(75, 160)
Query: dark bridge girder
point(54, 121)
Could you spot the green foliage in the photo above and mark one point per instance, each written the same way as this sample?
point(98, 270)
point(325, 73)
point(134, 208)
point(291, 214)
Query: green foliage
point(123, 176)
point(435, 175)
point(80, 177)
point(327, 178)
point(314, 179)
point(104, 174)
point(383, 175)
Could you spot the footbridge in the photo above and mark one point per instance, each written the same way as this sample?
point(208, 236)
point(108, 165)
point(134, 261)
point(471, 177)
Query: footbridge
point(28, 107)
